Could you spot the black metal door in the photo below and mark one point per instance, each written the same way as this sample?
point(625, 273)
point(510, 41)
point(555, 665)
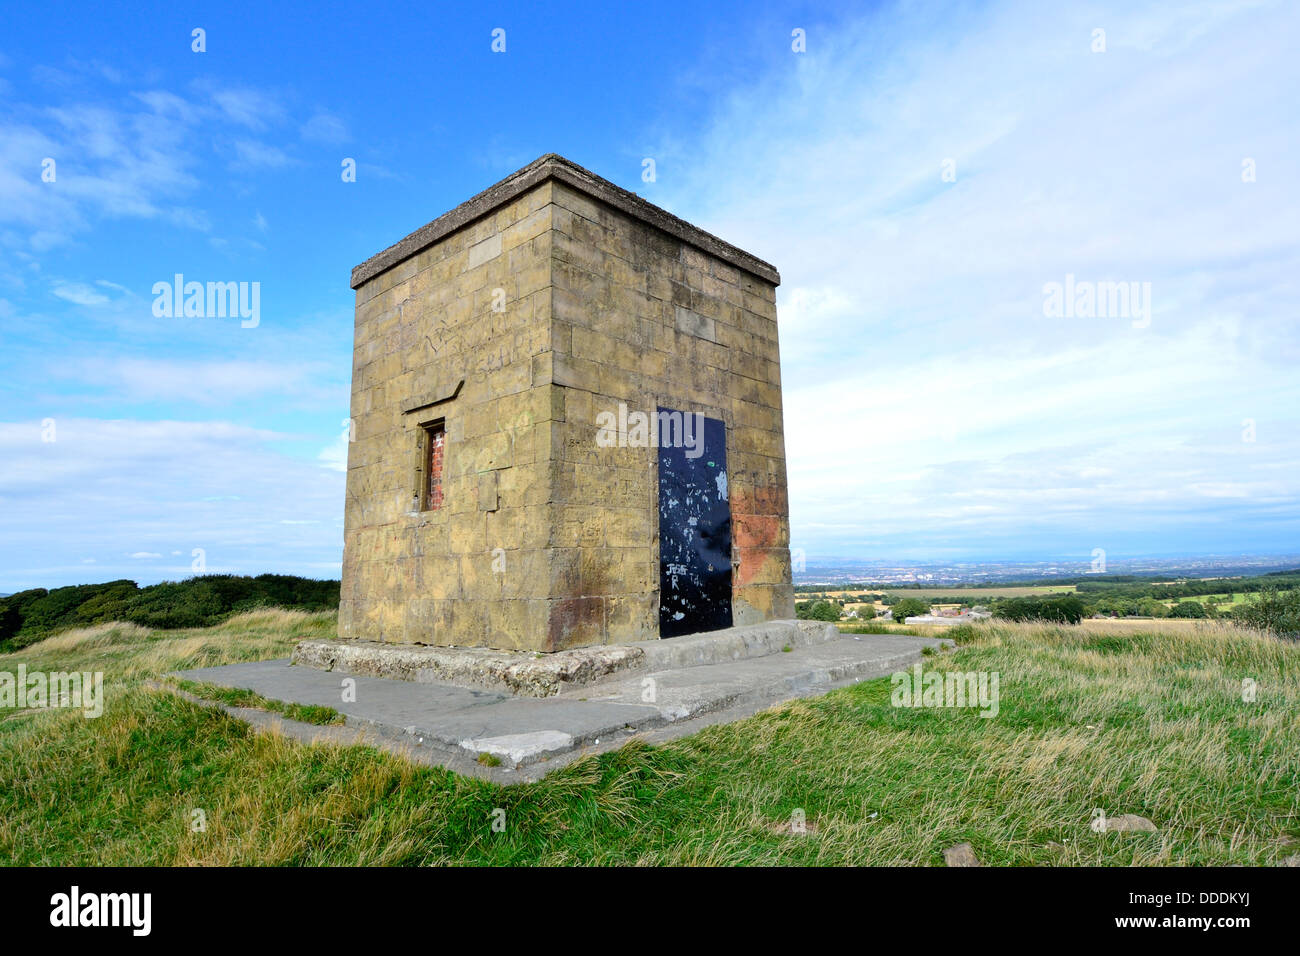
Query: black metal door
point(694, 528)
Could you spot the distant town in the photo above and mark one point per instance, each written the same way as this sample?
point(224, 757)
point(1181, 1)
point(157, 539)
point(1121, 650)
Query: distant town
point(837, 571)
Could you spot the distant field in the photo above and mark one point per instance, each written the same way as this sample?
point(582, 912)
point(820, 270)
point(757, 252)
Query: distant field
point(943, 592)
point(1237, 598)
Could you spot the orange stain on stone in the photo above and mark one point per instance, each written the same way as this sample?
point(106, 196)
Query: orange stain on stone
point(755, 529)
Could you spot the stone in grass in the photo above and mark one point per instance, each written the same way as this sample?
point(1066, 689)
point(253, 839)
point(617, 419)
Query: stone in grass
point(1129, 823)
point(960, 855)
point(1292, 860)
point(796, 825)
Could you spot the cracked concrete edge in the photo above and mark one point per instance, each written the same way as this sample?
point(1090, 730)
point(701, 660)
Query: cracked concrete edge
point(515, 673)
point(528, 674)
point(353, 733)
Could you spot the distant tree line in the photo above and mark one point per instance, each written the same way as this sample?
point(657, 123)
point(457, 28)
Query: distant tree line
point(1274, 610)
point(1056, 608)
point(1153, 607)
point(904, 608)
point(818, 611)
point(829, 610)
point(28, 616)
point(1171, 590)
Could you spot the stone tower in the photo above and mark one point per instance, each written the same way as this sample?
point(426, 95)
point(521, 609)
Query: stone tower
point(566, 411)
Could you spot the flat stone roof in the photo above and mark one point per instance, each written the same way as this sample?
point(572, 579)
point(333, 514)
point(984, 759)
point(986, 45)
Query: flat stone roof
point(554, 166)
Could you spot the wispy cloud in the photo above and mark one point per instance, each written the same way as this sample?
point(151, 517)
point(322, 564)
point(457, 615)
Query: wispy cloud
point(930, 402)
point(219, 382)
point(79, 294)
point(126, 493)
point(249, 107)
point(254, 155)
point(325, 128)
point(134, 155)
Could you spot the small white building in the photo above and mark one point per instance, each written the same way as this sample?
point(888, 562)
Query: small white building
point(968, 617)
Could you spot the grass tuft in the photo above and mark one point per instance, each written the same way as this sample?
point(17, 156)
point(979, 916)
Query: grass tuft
point(239, 697)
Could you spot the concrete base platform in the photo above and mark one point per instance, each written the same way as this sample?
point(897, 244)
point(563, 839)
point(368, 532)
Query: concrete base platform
point(451, 725)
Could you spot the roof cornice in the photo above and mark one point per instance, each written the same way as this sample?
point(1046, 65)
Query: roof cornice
point(554, 166)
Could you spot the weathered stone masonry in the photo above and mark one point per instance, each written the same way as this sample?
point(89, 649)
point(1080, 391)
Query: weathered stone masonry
point(514, 320)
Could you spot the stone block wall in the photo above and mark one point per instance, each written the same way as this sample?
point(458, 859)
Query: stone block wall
point(644, 319)
point(435, 339)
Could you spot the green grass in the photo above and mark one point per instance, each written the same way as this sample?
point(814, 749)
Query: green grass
point(1144, 722)
point(241, 697)
point(1238, 597)
point(881, 626)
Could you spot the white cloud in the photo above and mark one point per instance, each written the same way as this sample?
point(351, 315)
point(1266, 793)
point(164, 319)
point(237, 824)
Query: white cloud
point(127, 492)
point(335, 455)
point(326, 129)
point(122, 159)
point(250, 153)
point(249, 107)
point(927, 398)
point(107, 162)
point(79, 294)
point(221, 382)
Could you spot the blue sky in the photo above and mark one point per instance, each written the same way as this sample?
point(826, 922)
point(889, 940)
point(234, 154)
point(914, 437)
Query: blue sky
point(933, 409)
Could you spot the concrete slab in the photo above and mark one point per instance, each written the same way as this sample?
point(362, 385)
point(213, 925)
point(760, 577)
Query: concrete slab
point(444, 713)
point(380, 698)
point(452, 725)
point(682, 693)
point(522, 748)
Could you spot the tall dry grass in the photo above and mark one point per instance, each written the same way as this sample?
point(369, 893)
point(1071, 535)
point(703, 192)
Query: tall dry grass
point(128, 653)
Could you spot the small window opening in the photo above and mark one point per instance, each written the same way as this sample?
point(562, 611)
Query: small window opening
point(435, 439)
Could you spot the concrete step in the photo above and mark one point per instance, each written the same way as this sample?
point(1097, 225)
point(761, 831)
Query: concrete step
point(526, 674)
point(734, 644)
point(685, 692)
